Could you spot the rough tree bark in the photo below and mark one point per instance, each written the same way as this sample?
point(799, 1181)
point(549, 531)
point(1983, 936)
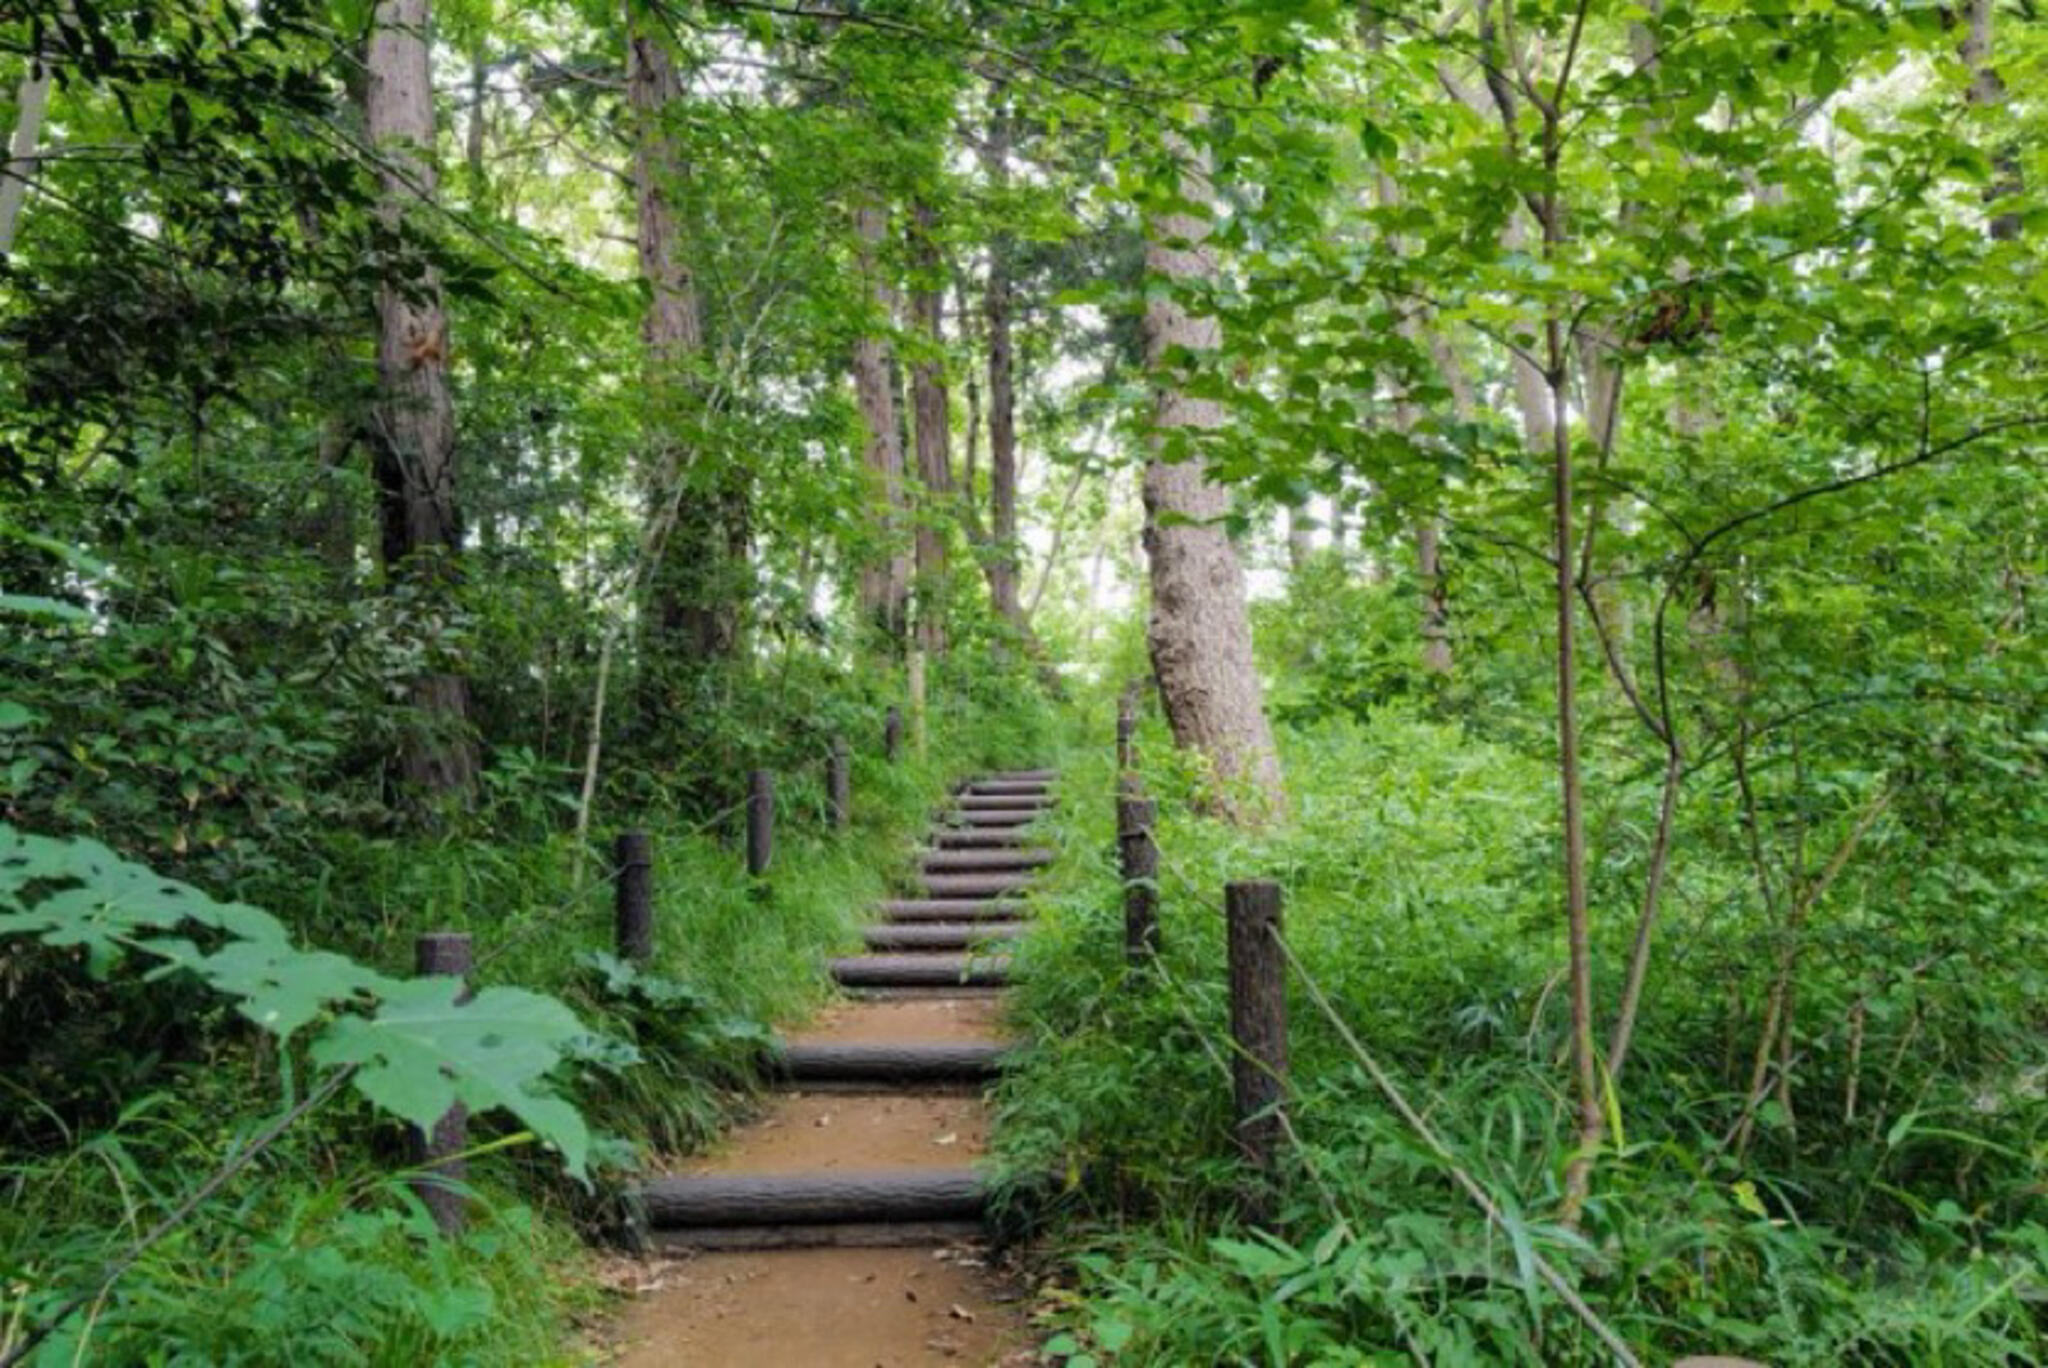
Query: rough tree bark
point(697, 518)
point(412, 426)
point(1200, 632)
point(884, 579)
point(931, 409)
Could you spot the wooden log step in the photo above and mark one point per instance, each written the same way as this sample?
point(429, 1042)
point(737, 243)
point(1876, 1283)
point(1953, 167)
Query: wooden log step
point(922, 971)
point(941, 935)
point(951, 993)
point(1000, 802)
point(1040, 775)
point(892, 1063)
point(951, 909)
point(985, 861)
point(980, 838)
point(823, 1235)
point(818, 1198)
point(972, 885)
point(986, 820)
point(1008, 788)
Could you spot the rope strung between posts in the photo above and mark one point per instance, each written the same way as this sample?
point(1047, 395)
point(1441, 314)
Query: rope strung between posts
point(1294, 1138)
point(545, 921)
point(236, 1161)
point(1323, 1188)
point(1553, 1279)
point(1413, 1119)
point(547, 918)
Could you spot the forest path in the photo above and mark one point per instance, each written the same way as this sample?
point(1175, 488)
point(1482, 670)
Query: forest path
point(840, 1229)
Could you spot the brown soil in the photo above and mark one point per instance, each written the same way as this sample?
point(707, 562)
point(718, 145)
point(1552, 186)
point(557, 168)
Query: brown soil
point(853, 1131)
point(821, 1308)
point(841, 1307)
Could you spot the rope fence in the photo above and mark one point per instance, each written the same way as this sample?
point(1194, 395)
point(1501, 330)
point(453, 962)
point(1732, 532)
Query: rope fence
point(437, 1153)
point(1253, 1057)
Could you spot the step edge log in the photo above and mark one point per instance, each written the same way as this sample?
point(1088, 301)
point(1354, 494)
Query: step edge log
point(812, 1197)
point(912, 911)
point(940, 970)
point(889, 1062)
point(1016, 860)
point(934, 933)
point(820, 1235)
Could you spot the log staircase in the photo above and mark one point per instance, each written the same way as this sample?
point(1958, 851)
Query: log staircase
point(937, 954)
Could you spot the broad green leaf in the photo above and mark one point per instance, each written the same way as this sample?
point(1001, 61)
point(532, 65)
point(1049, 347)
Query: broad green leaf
point(424, 1049)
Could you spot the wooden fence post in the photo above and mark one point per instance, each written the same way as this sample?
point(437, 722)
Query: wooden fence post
point(1258, 1026)
point(633, 896)
point(1139, 856)
point(839, 784)
point(892, 734)
point(1126, 731)
point(760, 822)
point(434, 1152)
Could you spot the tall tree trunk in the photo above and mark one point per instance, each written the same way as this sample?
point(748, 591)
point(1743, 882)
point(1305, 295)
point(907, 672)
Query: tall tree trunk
point(1419, 328)
point(1300, 543)
point(1200, 631)
point(1987, 90)
point(474, 129)
point(1592, 1118)
point(413, 424)
point(1002, 394)
point(693, 616)
point(31, 102)
point(329, 527)
point(1436, 599)
point(885, 578)
point(932, 409)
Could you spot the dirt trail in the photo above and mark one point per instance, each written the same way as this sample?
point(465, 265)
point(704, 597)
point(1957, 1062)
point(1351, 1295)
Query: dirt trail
point(926, 1296)
point(820, 1308)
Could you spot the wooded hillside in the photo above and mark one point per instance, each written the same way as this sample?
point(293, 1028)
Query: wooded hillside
point(1558, 481)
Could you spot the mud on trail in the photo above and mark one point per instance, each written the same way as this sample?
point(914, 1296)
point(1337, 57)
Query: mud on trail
point(884, 1291)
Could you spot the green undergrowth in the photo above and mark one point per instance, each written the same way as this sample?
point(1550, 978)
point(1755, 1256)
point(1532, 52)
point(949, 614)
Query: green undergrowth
point(317, 1252)
point(1419, 897)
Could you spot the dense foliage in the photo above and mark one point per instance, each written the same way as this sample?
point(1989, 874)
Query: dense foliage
point(437, 436)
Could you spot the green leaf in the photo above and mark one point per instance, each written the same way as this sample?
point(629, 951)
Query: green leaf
point(63, 551)
point(37, 606)
point(1112, 1334)
point(426, 1049)
point(422, 1049)
point(281, 988)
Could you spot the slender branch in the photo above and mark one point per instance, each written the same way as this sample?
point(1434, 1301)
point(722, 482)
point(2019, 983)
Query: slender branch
point(1638, 973)
point(1059, 533)
point(177, 1216)
point(1469, 1185)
